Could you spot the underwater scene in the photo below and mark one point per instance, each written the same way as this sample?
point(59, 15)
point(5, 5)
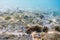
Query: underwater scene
point(29, 19)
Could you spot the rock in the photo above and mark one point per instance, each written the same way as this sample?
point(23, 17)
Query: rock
point(57, 28)
point(34, 28)
point(45, 29)
point(52, 36)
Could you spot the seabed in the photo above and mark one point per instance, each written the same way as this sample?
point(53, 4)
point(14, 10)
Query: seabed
point(23, 25)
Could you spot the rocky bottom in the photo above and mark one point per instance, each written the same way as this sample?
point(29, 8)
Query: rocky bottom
point(14, 37)
point(48, 36)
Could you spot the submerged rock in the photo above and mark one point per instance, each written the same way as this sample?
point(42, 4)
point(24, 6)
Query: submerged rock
point(34, 28)
point(57, 28)
point(52, 36)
